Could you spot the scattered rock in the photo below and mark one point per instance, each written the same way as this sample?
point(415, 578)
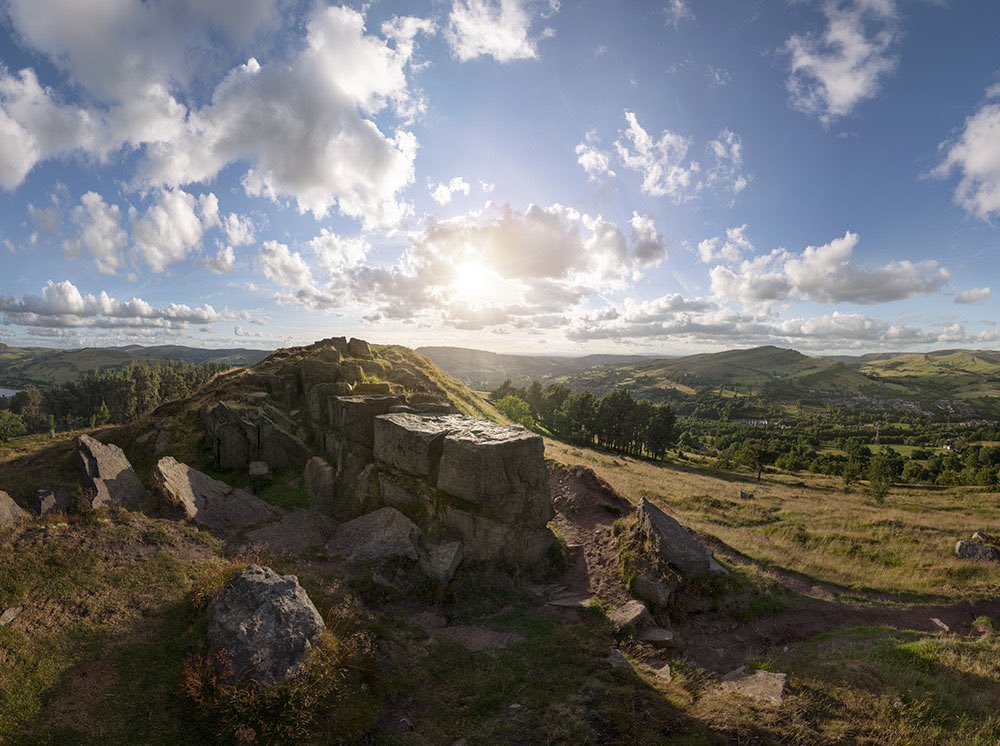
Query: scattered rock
point(11, 514)
point(320, 478)
point(146, 437)
point(53, 502)
point(262, 625)
point(940, 625)
point(294, 533)
point(618, 660)
point(975, 550)
point(663, 673)
point(983, 537)
point(162, 441)
point(746, 495)
point(441, 561)
point(9, 615)
point(382, 534)
point(212, 504)
point(359, 348)
point(633, 614)
point(108, 475)
point(477, 639)
point(671, 542)
point(658, 637)
point(655, 592)
point(259, 470)
point(764, 687)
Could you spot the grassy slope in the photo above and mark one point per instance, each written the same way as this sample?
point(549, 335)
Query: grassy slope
point(961, 374)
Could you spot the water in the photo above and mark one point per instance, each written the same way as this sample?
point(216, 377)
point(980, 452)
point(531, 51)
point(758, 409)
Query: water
point(7, 392)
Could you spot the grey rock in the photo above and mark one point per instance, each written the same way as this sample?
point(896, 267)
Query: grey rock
point(162, 441)
point(974, 550)
point(764, 687)
point(383, 534)
point(413, 443)
point(294, 533)
point(108, 476)
point(441, 561)
point(633, 614)
point(488, 540)
point(213, 505)
point(9, 615)
point(663, 673)
point(359, 348)
point(53, 502)
point(618, 660)
point(354, 416)
point(146, 437)
point(501, 468)
point(259, 470)
point(658, 637)
point(11, 514)
point(239, 433)
point(655, 592)
point(373, 388)
point(320, 476)
point(983, 537)
point(671, 543)
point(262, 625)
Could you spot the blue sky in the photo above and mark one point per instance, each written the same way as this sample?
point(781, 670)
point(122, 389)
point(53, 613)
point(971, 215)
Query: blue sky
point(515, 175)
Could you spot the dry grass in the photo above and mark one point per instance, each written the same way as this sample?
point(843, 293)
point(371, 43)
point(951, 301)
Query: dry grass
point(904, 546)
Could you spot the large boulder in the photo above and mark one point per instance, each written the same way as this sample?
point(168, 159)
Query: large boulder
point(488, 540)
point(672, 543)
point(500, 468)
point(213, 505)
point(320, 476)
point(359, 348)
point(108, 475)
point(413, 443)
point(262, 625)
point(380, 535)
point(978, 551)
point(11, 514)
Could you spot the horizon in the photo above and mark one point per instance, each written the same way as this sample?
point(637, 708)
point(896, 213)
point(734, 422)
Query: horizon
point(671, 179)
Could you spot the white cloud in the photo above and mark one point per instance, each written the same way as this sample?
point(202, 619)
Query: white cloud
point(223, 262)
point(239, 331)
point(46, 219)
point(284, 267)
point(976, 156)
point(831, 74)
point(101, 232)
point(172, 228)
point(500, 29)
point(677, 11)
point(239, 229)
point(62, 305)
point(718, 76)
point(730, 250)
point(826, 274)
point(727, 168)
point(973, 295)
point(443, 193)
point(596, 162)
point(487, 186)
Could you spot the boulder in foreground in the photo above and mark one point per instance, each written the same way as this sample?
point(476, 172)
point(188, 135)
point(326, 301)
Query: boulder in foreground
point(978, 551)
point(11, 514)
point(108, 476)
point(379, 535)
point(672, 543)
point(262, 625)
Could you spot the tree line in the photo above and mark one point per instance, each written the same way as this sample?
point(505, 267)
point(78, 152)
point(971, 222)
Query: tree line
point(101, 397)
point(616, 421)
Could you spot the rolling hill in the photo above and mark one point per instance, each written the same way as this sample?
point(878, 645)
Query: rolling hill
point(21, 366)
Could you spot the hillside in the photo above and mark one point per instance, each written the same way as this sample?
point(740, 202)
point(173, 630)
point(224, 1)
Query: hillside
point(21, 366)
point(484, 370)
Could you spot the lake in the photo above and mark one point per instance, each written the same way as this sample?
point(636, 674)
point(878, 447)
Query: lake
point(7, 392)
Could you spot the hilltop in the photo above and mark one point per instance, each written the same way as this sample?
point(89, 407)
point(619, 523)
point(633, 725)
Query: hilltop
point(22, 366)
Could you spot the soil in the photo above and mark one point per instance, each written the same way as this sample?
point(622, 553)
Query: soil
point(586, 508)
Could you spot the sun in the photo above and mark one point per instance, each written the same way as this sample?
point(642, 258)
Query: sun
point(472, 281)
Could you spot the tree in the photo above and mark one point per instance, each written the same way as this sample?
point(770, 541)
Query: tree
point(660, 433)
point(880, 474)
point(11, 425)
point(516, 410)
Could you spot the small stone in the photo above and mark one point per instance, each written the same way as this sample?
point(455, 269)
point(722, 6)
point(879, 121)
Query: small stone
point(259, 470)
point(618, 660)
point(9, 615)
point(656, 636)
point(52, 502)
point(663, 673)
point(11, 514)
point(441, 561)
point(764, 687)
point(633, 614)
point(162, 441)
point(940, 625)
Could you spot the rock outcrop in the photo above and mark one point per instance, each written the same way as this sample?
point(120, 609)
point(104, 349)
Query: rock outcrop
point(108, 477)
point(11, 514)
point(239, 433)
point(978, 551)
point(672, 544)
point(380, 535)
point(53, 502)
point(211, 504)
point(262, 625)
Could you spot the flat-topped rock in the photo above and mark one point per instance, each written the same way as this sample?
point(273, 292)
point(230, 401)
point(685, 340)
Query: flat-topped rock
point(354, 416)
point(263, 625)
point(672, 544)
point(413, 443)
point(108, 476)
point(213, 505)
point(500, 468)
point(11, 514)
point(633, 614)
point(382, 534)
point(359, 348)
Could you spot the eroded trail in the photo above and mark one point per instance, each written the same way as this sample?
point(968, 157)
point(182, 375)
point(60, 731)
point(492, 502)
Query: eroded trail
point(586, 510)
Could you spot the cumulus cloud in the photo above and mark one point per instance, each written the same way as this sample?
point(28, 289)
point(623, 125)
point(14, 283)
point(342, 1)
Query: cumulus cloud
point(62, 305)
point(239, 229)
point(730, 249)
point(594, 160)
point(663, 162)
point(830, 74)
point(223, 262)
point(974, 295)
point(493, 268)
point(501, 29)
point(975, 155)
point(826, 274)
point(101, 232)
point(443, 193)
point(677, 11)
point(172, 228)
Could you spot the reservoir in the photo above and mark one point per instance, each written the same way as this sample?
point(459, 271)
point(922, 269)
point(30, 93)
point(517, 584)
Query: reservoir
point(7, 392)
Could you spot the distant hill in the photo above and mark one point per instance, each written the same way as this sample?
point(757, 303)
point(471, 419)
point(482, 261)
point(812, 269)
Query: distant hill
point(486, 370)
point(20, 366)
point(967, 375)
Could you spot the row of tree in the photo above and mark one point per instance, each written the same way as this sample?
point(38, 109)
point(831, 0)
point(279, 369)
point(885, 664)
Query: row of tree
point(616, 421)
point(98, 398)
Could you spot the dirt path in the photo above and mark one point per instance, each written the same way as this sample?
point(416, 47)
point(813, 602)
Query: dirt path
point(587, 507)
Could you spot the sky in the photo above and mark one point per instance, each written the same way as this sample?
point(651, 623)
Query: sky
point(527, 176)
